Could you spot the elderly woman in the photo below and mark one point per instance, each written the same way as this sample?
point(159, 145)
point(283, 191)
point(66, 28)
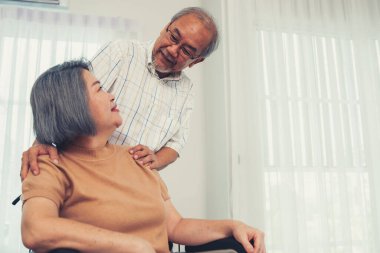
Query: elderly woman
point(98, 199)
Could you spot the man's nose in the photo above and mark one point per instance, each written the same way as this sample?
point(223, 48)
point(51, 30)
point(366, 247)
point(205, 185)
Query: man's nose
point(174, 50)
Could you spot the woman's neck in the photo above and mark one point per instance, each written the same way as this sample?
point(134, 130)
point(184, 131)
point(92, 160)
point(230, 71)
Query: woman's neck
point(92, 142)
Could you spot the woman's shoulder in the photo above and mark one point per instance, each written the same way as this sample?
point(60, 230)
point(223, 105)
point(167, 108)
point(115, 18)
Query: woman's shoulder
point(120, 148)
point(45, 163)
point(45, 159)
point(122, 151)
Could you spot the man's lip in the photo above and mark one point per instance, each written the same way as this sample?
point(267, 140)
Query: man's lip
point(167, 58)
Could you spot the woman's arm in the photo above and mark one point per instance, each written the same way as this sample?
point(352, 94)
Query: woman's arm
point(197, 231)
point(43, 230)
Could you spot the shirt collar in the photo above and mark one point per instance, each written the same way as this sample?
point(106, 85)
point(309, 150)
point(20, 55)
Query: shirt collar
point(172, 77)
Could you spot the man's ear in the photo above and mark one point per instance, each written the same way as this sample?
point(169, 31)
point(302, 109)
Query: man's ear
point(198, 60)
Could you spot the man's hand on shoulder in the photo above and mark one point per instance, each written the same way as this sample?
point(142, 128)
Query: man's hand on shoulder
point(29, 158)
point(144, 156)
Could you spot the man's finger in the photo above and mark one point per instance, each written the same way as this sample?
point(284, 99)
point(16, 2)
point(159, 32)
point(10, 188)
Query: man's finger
point(53, 154)
point(33, 154)
point(149, 166)
point(24, 166)
point(139, 147)
point(148, 159)
point(141, 154)
point(136, 148)
point(131, 150)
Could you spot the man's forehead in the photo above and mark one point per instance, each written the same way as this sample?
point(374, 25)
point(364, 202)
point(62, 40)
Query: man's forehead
point(188, 21)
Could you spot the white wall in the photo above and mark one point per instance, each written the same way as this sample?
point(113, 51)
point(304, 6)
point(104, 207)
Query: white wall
point(216, 127)
point(186, 178)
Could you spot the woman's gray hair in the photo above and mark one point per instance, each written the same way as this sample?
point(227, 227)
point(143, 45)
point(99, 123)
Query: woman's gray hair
point(208, 22)
point(59, 101)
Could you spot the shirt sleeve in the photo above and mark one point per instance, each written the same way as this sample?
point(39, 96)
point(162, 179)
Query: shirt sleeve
point(50, 183)
point(107, 62)
point(179, 139)
point(164, 189)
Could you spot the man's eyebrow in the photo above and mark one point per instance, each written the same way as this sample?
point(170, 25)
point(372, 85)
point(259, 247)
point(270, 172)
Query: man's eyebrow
point(177, 32)
point(180, 36)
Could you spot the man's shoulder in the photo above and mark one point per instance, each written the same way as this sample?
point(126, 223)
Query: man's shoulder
point(125, 49)
point(124, 45)
point(185, 83)
point(185, 78)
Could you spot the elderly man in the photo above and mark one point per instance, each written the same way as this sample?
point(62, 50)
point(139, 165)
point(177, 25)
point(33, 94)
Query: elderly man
point(154, 96)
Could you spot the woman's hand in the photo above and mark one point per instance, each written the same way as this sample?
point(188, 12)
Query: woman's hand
point(245, 234)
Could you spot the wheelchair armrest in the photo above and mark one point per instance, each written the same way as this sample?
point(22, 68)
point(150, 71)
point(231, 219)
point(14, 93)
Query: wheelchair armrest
point(225, 243)
point(64, 251)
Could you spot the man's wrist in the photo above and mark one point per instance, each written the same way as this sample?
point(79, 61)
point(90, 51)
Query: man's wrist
point(158, 164)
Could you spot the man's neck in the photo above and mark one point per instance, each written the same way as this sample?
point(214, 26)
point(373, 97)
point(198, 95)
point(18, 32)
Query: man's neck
point(162, 75)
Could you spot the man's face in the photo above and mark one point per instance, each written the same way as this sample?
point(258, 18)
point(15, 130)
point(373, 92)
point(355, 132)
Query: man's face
point(180, 44)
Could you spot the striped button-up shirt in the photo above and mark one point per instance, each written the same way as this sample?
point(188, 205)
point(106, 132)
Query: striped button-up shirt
point(155, 111)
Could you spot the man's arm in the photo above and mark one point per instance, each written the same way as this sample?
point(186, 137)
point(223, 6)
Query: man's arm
point(197, 231)
point(170, 152)
point(42, 230)
point(159, 160)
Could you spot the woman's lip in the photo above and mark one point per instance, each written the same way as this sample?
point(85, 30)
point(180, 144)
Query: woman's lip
point(115, 109)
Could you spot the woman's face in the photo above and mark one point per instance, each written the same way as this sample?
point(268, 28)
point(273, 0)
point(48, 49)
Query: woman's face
point(101, 104)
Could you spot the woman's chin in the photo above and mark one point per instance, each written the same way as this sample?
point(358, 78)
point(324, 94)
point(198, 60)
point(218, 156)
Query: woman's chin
point(117, 124)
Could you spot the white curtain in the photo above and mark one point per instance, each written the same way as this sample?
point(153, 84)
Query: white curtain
point(31, 41)
point(304, 97)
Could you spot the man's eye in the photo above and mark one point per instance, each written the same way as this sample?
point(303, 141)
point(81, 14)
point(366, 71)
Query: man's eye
point(186, 52)
point(173, 38)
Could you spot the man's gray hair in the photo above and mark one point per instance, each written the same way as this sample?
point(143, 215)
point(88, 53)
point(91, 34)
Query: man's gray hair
point(59, 101)
point(208, 22)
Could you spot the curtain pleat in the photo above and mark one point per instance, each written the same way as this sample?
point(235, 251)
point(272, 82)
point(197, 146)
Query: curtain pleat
point(305, 118)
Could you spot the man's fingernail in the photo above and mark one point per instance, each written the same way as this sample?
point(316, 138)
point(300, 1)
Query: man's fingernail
point(135, 157)
point(34, 172)
point(55, 161)
point(131, 151)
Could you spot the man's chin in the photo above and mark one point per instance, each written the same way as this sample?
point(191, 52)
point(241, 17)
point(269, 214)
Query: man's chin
point(162, 64)
point(162, 69)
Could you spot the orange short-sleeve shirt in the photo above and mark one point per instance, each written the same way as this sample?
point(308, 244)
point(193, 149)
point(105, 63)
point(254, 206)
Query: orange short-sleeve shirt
point(105, 188)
